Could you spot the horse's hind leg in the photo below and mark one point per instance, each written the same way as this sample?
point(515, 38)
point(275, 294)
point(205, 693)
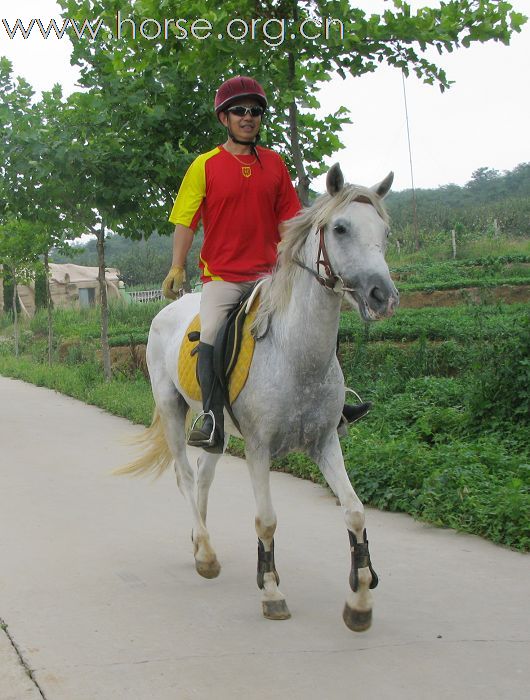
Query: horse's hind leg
point(358, 609)
point(173, 409)
point(273, 601)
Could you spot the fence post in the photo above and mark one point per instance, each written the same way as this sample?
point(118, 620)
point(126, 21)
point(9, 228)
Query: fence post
point(453, 242)
point(496, 228)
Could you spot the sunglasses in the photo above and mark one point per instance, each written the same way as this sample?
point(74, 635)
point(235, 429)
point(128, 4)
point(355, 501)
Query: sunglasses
point(241, 111)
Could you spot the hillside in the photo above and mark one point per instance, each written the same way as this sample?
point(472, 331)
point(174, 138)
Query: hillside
point(489, 196)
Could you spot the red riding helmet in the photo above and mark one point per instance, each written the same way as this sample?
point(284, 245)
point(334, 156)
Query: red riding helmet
point(234, 88)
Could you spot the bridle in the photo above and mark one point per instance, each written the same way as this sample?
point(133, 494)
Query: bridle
point(332, 282)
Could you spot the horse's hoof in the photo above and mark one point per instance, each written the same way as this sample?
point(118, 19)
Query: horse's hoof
point(275, 610)
point(357, 620)
point(208, 569)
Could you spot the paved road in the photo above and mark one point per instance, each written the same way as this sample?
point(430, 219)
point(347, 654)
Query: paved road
point(101, 600)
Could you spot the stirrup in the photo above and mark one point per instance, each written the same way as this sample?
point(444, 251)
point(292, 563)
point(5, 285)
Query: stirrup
point(204, 442)
point(342, 427)
point(352, 391)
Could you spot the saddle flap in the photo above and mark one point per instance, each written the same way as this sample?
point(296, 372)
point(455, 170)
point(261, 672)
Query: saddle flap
point(228, 341)
point(233, 350)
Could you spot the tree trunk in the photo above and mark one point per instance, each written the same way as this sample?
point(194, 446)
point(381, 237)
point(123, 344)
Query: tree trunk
point(15, 312)
point(105, 350)
point(294, 137)
point(49, 307)
point(303, 177)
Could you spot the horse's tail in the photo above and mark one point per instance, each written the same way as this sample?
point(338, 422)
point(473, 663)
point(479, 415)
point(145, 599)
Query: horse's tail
point(156, 457)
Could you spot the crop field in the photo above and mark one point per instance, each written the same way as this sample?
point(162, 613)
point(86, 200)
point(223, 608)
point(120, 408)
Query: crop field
point(447, 438)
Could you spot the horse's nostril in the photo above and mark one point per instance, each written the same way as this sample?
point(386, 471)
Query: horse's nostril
point(378, 295)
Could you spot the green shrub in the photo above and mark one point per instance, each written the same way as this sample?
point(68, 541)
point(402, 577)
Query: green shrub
point(500, 383)
point(459, 484)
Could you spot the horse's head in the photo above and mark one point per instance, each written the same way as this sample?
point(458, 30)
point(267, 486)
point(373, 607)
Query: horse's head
point(355, 238)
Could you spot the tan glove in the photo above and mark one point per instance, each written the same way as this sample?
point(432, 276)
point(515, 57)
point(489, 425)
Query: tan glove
point(174, 281)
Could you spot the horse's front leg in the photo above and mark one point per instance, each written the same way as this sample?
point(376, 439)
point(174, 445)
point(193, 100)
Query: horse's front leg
point(273, 601)
point(358, 608)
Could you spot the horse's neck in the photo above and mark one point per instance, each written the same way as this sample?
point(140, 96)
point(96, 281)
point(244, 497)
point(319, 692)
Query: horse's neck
point(308, 326)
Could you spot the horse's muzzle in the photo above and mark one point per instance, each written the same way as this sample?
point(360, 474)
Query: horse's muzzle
point(380, 300)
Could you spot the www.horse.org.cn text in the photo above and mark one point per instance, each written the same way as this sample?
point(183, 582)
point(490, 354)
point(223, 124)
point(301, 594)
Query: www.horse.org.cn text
point(272, 32)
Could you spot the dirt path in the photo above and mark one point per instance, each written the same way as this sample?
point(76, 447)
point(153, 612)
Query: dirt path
point(101, 599)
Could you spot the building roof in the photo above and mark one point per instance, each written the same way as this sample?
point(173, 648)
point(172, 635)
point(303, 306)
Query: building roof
point(73, 274)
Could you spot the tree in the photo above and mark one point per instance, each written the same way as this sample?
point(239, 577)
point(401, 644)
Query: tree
point(103, 179)
point(19, 254)
point(289, 45)
point(32, 149)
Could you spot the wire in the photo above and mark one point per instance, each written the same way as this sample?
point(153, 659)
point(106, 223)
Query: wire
point(414, 207)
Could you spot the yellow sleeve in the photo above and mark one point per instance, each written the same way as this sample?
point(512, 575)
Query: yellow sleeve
point(186, 209)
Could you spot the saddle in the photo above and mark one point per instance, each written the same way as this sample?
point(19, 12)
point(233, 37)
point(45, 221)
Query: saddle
point(233, 352)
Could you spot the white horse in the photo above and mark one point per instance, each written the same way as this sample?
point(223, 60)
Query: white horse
point(294, 394)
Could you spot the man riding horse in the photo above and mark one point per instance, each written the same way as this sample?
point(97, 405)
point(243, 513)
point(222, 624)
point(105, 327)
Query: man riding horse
point(243, 194)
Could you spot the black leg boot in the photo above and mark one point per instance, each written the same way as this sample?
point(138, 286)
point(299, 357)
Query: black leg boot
point(353, 413)
point(350, 414)
point(208, 432)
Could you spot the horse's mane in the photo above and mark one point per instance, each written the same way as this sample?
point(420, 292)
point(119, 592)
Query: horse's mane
point(275, 291)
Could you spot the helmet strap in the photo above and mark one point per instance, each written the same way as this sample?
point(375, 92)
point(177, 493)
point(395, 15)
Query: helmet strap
point(243, 143)
point(252, 143)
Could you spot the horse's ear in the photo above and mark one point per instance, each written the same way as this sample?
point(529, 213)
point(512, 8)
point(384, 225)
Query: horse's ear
point(334, 179)
point(383, 188)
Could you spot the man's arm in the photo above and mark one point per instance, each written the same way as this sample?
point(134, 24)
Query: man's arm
point(182, 240)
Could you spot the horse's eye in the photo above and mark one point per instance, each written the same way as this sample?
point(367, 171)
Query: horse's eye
point(339, 228)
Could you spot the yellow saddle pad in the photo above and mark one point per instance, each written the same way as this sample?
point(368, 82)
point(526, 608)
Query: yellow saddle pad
point(187, 363)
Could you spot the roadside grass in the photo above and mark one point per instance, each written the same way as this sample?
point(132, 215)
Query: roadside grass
point(127, 397)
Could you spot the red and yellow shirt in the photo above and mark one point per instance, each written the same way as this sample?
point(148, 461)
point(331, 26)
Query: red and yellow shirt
point(241, 202)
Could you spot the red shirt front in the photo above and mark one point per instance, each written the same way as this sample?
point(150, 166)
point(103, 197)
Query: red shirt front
point(241, 202)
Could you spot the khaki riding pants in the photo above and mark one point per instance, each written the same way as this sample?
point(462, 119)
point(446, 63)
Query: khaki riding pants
point(217, 299)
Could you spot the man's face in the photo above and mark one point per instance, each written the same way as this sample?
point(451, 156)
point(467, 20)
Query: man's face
point(246, 127)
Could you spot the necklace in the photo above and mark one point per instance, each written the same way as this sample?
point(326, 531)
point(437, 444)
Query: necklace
point(246, 170)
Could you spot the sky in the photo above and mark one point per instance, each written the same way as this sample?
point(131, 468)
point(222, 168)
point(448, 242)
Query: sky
point(482, 120)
